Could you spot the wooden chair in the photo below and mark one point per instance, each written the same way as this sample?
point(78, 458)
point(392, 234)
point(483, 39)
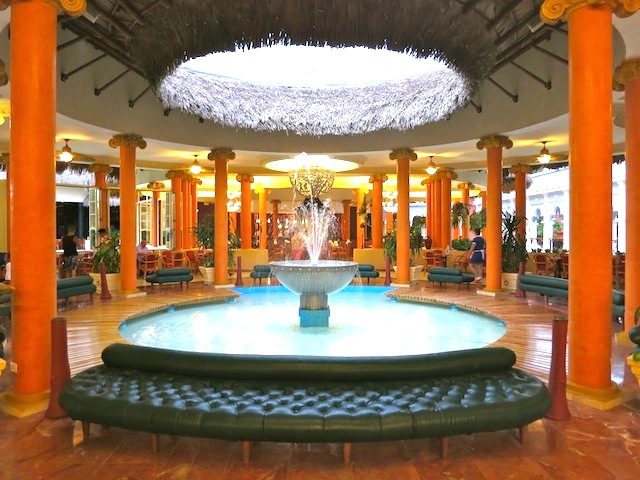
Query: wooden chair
point(179, 259)
point(85, 264)
point(148, 264)
point(433, 258)
point(461, 262)
point(195, 259)
point(167, 259)
point(564, 260)
point(544, 265)
point(618, 269)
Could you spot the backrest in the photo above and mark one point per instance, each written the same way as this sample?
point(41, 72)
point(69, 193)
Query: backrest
point(308, 368)
point(366, 267)
point(445, 271)
point(74, 281)
point(167, 272)
point(262, 268)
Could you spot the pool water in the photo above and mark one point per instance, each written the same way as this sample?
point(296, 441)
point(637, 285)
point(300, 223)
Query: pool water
point(363, 322)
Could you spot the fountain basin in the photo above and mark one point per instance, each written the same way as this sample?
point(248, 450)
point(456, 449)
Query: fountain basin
point(314, 282)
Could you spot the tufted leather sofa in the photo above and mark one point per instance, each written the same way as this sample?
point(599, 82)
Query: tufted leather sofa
point(170, 275)
point(74, 286)
point(449, 275)
point(305, 399)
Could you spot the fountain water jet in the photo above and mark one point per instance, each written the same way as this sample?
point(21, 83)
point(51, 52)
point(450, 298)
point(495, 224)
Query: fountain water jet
point(314, 279)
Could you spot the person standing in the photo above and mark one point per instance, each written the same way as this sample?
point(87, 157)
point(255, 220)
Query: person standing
point(70, 243)
point(476, 256)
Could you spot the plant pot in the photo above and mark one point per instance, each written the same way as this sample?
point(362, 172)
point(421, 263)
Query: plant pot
point(635, 366)
point(208, 275)
point(509, 281)
point(414, 272)
point(114, 282)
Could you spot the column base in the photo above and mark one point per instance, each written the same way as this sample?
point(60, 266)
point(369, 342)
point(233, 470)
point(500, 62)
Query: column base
point(224, 285)
point(133, 293)
point(600, 398)
point(493, 293)
point(402, 285)
point(313, 318)
point(23, 405)
point(622, 339)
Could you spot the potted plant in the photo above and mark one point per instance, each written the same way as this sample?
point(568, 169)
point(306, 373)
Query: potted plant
point(415, 244)
point(514, 250)
point(633, 360)
point(459, 215)
point(108, 252)
point(205, 239)
point(478, 220)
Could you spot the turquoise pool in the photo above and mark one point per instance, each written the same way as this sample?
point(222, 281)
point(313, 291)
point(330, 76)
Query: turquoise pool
point(363, 322)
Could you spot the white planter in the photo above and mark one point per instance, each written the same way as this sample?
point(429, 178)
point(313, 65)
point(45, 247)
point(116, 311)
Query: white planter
point(414, 271)
point(114, 282)
point(510, 281)
point(208, 275)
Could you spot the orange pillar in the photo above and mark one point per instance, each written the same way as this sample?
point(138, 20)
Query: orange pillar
point(155, 198)
point(178, 209)
point(445, 205)
point(32, 186)
point(100, 171)
point(483, 198)
point(493, 230)
point(376, 209)
point(128, 264)
point(360, 194)
point(627, 78)
point(221, 157)
point(402, 158)
point(437, 211)
point(464, 190)
point(246, 219)
point(346, 220)
point(388, 222)
point(186, 211)
point(429, 223)
point(520, 171)
point(262, 209)
point(590, 153)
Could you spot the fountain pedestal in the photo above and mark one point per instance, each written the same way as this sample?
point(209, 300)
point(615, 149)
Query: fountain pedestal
point(314, 282)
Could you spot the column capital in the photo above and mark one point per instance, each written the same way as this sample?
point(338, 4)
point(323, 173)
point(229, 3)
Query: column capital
point(244, 177)
point(483, 193)
point(346, 203)
point(378, 177)
point(627, 71)
point(464, 186)
point(519, 168)
point(176, 174)
point(100, 167)
point(553, 11)
point(156, 186)
point(494, 141)
point(449, 174)
point(433, 178)
point(260, 190)
point(127, 140)
point(397, 153)
point(220, 153)
point(360, 190)
point(74, 8)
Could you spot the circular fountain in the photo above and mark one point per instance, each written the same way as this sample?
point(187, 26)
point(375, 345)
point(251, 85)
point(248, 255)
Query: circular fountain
point(314, 282)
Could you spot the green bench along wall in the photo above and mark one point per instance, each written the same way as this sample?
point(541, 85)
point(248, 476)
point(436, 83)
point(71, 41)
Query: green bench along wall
point(72, 287)
point(444, 275)
point(368, 271)
point(170, 275)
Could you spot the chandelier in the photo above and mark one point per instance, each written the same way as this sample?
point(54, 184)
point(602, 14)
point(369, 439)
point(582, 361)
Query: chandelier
point(390, 202)
point(233, 201)
point(311, 175)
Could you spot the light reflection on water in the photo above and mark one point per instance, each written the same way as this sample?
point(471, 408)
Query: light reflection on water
point(363, 322)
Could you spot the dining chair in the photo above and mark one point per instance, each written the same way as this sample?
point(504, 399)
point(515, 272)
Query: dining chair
point(544, 265)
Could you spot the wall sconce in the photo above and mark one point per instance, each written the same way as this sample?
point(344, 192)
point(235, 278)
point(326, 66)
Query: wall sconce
point(544, 156)
point(195, 167)
point(432, 167)
point(66, 155)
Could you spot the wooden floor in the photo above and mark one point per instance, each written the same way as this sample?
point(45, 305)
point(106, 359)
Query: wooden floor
point(593, 444)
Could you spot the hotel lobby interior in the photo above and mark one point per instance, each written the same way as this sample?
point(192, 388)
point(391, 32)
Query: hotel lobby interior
point(511, 75)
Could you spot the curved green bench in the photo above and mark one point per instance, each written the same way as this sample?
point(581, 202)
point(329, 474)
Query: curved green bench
point(259, 272)
point(368, 271)
point(559, 287)
point(449, 275)
point(74, 286)
point(305, 399)
point(170, 275)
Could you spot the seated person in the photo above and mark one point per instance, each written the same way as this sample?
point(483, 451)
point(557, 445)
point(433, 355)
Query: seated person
point(141, 252)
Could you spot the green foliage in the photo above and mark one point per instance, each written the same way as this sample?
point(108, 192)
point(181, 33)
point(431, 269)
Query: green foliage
point(390, 245)
point(109, 253)
point(514, 247)
point(461, 244)
point(415, 239)
point(203, 232)
point(459, 214)
point(478, 220)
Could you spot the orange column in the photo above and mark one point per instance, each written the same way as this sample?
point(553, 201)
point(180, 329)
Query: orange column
point(520, 172)
point(376, 209)
point(221, 157)
point(194, 206)
point(445, 205)
point(32, 186)
point(155, 198)
point(186, 211)
point(429, 223)
point(437, 211)
point(590, 153)
point(388, 222)
point(262, 209)
point(178, 210)
point(100, 171)
point(128, 264)
point(483, 198)
point(627, 78)
point(346, 220)
point(464, 190)
point(246, 220)
point(402, 158)
point(360, 193)
point(493, 231)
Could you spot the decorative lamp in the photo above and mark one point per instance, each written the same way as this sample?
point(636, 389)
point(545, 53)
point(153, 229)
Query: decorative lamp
point(432, 167)
point(233, 202)
point(66, 155)
point(195, 168)
point(390, 202)
point(544, 156)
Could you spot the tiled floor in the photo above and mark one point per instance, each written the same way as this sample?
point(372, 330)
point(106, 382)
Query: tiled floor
point(594, 444)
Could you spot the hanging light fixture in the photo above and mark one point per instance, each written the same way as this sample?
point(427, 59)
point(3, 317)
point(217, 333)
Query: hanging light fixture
point(390, 202)
point(233, 201)
point(432, 167)
point(195, 167)
point(544, 156)
point(66, 155)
